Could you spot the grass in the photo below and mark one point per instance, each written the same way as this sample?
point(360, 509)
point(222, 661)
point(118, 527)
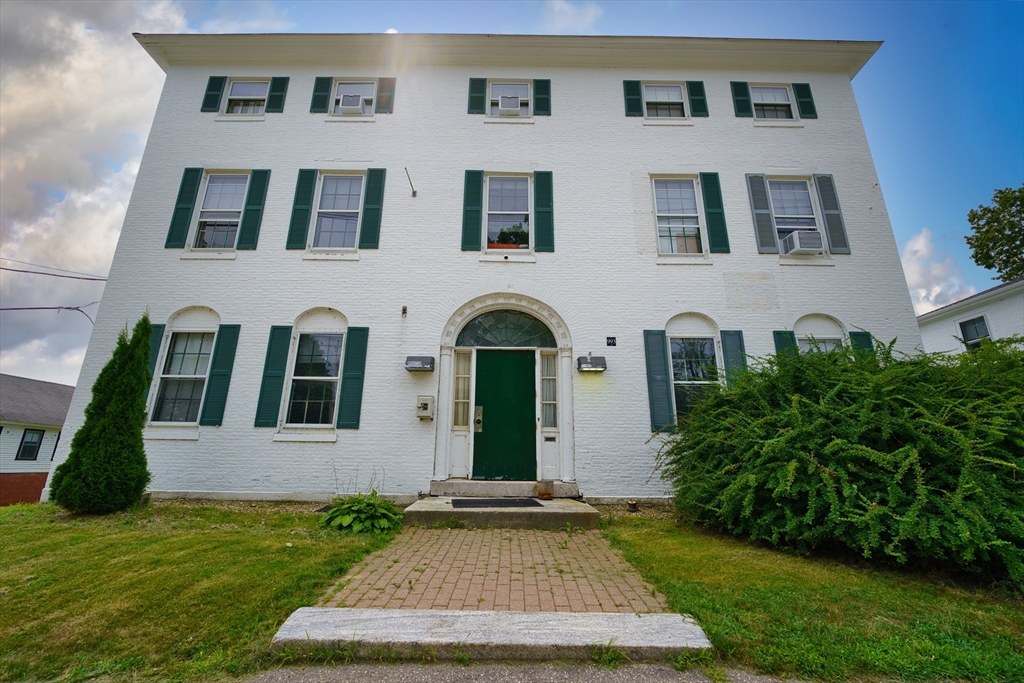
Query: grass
point(783, 614)
point(176, 591)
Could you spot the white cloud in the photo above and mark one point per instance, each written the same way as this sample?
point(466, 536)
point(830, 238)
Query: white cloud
point(933, 276)
point(391, 30)
point(562, 16)
point(38, 360)
point(255, 16)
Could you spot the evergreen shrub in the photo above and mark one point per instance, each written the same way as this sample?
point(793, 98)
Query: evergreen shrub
point(910, 458)
point(106, 469)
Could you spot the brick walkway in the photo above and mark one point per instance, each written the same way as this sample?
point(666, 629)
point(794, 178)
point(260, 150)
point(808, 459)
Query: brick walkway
point(522, 570)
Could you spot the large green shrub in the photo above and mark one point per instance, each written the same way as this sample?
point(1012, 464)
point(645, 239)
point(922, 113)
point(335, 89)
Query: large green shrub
point(915, 458)
point(106, 469)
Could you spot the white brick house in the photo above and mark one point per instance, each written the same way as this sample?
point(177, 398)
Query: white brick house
point(312, 210)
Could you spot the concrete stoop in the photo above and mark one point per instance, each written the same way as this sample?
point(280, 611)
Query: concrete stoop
point(550, 514)
point(489, 636)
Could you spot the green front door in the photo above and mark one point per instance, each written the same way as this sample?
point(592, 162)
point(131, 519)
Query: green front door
point(505, 439)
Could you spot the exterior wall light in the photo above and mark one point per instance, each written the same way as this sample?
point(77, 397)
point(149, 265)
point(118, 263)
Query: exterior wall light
point(419, 363)
point(591, 363)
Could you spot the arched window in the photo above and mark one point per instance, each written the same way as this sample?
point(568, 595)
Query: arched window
point(506, 328)
point(818, 333)
point(186, 365)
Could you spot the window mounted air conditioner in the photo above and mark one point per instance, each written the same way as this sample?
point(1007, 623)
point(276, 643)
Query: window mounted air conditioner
point(351, 104)
point(802, 242)
point(508, 106)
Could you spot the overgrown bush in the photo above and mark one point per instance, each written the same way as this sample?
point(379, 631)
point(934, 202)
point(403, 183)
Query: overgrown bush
point(913, 458)
point(106, 468)
point(364, 512)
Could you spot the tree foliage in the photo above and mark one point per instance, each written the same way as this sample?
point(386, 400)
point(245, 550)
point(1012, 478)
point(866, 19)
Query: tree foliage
point(998, 239)
point(914, 459)
point(106, 469)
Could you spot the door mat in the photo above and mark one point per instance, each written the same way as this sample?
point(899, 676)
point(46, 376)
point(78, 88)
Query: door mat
point(495, 503)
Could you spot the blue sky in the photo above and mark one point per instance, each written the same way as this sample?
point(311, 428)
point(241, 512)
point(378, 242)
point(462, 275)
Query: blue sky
point(942, 103)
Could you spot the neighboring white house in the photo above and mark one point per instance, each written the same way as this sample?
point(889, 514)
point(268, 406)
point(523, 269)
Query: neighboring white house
point(992, 314)
point(439, 262)
point(31, 416)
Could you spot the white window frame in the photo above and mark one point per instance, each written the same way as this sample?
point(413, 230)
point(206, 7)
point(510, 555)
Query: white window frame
point(194, 227)
point(468, 354)
point(683, 100)
point(960, 332)
point(161, 375)
point(719, 367)
point(812, 191)
point(352, 117)
point(510, 81)
point(314, 220)
point(530, 212)
point(541, 378)
point(794, 114)
point(701, 227)
point(226, 111)
point(809, 343)
point(291, 377)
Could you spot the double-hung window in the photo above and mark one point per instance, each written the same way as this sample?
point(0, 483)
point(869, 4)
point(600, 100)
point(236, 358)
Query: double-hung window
point(247, 97)
point(314, 390)
point(221, 211)
point(31, 440)
point(694, 369)
point(792, 206)
point(771, 102)
point(337, 217)
point(509, 99)
point(973, 331)
point(663, 101)
point(354, 98)
point(811, 344)
point(508, 212)
point(675, 202)
point(183, 377)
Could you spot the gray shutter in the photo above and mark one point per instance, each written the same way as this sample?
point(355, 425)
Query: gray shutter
point(252, 216)
point(659, 379)
point(734, 354)
point(472, 211)
point(477, 96)
point(544, 210)
point(741, 99)
point(373, 204)
point(764, 220)
point(835, 229)
point(632, 91)
point(714, 213)
point(302, 209)
point(214, 91)
point(861, 341)
point(385, 96)
point(785, 342)
point(352, 375)
point(541, 97)
point(698, 100)
point(221, 363)
point(321, 95)
point(268, 406)
point(155, 339)
point(276, 94)
point(804, 101)
point(181, 219)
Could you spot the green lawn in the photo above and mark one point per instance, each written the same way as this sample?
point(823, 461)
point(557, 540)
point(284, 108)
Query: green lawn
point(173, 592)
point(782, 614)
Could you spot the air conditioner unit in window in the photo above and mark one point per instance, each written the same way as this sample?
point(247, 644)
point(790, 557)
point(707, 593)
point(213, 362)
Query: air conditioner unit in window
point(508, 106)
point(802, 242)
point(351, 104)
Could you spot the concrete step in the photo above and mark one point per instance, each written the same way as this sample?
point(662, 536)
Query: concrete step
point(483, 636)
point(550, 514)
point(493, 489)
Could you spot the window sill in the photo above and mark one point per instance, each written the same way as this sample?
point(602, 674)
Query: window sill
point(683, 260)
point(777, 123)
point(167, 432)
point(508, 119)
point(240, 117)
point(680, 122)
point(208, 256)
point(308, 437)
point(341, 118)
point(497, 257)
point(805, 261)
point(331, 256)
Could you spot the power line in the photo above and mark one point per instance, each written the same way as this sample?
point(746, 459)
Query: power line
point(39, 265)
point(70, 277)
point(56, 308)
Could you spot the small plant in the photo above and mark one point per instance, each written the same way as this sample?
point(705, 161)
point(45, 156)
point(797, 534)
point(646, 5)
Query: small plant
point(364, 513)
point(608, 656)
point(460, 656)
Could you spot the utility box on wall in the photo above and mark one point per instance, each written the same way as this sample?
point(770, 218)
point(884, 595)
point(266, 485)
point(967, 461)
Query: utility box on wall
point(425, 407)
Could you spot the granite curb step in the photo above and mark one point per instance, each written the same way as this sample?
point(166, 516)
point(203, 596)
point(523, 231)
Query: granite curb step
point(489, 636)
point(549, 514)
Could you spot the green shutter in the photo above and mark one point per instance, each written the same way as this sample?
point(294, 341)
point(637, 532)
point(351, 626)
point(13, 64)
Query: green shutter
point(477, 96)
point(785, 342)
point(634, 99)
point(764, 219)
point(275, 96)
point(734, 354)
point(741, 99)
point(861, 341)
point(385, 96)
point(804, 101)
point(155, 339)
point(835, 229)
point(217, 383)
point(182, 216)
point(714, 213)
point(269, 404)
point(302, 209)
point(541, 97)
point(698, 100)
point(659, 379)
point(214, 90)
point(369, 229)
point(252, 216)
point(353, 368)
point(472, 211)
point(544, 212)
point(321, 95)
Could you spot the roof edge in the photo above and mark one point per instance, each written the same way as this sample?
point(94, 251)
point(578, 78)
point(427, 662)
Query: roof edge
point(998, 290)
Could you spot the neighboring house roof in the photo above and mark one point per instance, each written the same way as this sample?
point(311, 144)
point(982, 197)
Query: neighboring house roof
point(973, 300)
point(30, 401)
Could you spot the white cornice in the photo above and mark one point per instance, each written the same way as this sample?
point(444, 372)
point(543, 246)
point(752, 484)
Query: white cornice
point(400, 50)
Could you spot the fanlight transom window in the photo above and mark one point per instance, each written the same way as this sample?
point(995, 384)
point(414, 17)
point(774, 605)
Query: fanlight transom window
point(506, 329)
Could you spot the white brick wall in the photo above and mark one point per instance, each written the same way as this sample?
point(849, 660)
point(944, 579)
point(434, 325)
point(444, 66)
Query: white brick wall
point(602, 277)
